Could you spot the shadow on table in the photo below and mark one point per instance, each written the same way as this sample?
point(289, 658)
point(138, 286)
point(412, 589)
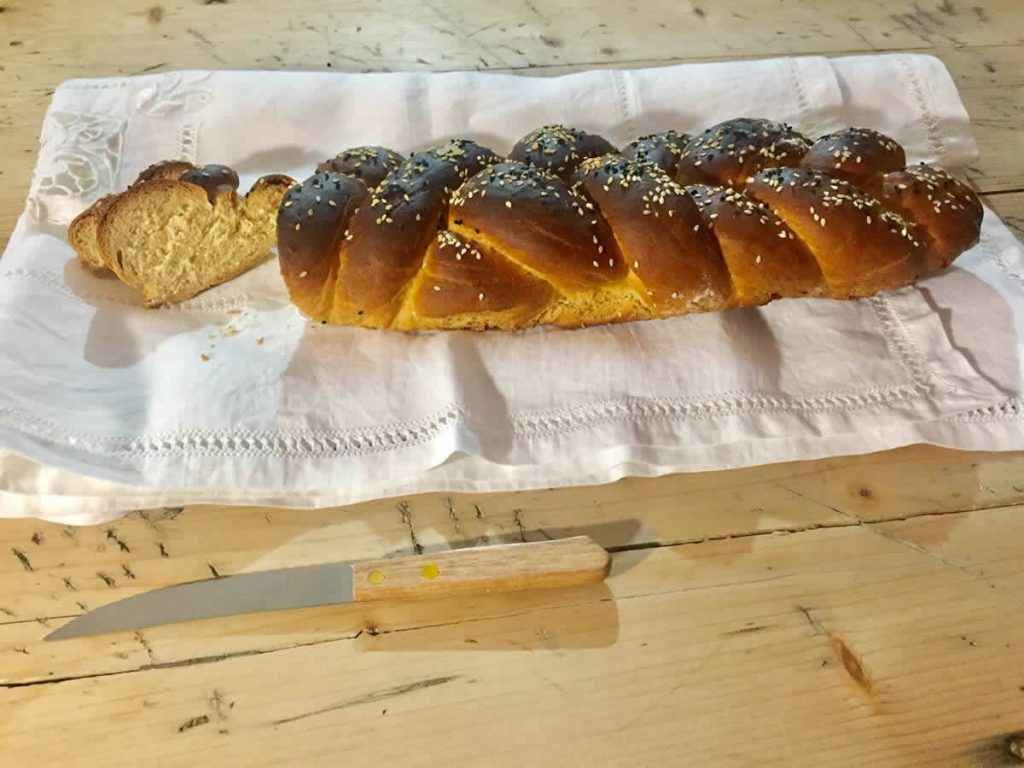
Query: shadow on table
point(544, 619)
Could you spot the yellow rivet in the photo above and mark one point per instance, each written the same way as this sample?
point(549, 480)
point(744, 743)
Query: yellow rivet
point(430, 571)
point(376, 577)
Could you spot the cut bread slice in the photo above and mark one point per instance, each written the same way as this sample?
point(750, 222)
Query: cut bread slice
point(173, 239)
point(82, 236)
point(82, 231)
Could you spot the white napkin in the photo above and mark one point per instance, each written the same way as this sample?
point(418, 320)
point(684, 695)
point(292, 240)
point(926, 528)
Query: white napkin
point(106, 407)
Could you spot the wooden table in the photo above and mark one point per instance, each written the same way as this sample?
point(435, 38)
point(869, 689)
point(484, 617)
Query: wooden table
point(857, 611)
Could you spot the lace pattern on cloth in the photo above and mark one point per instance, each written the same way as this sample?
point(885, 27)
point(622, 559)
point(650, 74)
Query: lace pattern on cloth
point(81, 153)
point(79, 159)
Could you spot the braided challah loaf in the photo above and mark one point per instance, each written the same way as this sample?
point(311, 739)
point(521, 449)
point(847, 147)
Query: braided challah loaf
point(568, 231)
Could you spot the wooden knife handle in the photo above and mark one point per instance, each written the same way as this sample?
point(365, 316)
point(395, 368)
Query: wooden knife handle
point(499, 568)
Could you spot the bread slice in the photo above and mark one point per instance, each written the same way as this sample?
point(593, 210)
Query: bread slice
point(82, 236)
point(173, 239)
point(82, 231)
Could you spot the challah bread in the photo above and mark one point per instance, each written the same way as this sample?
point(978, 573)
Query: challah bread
point(82, 231)
point(179, 229)
point(570, 232)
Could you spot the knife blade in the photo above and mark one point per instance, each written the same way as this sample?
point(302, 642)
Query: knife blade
point(497, 568)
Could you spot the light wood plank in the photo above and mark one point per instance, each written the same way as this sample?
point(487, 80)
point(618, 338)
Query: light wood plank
point(885, 644)
point(1010, 208)
point(75, 569)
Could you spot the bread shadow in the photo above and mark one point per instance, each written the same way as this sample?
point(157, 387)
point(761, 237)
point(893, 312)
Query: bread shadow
point(1002, 369)
point(547, 619)
point(563, 619)
point(112, 341)
point(658, 122)
point(752, 339)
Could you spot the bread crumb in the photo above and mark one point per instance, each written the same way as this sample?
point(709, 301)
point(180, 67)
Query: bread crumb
point(205, 358)
point(234, 312)
point(259, 340)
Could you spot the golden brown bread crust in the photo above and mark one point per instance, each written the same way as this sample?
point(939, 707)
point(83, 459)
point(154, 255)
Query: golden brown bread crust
point(368, 164)
point(385, 237)
point(214, 179)
point(728, 153)
point(657, 228)
point(948, 213)
point(860, 246)
point(82, 232)
point(859, 155)
point(165, 169)
point(484, 285)
point(545, 228)
point(312, 220)
point(763, 258)
point(558, 150)
point(82, 236)
point(664, 150)
point(569, 232)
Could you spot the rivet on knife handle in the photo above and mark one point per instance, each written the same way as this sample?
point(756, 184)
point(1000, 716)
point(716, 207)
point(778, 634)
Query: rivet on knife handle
point(499, 568)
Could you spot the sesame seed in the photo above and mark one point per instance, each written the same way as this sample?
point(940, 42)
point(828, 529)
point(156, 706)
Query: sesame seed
point(636, 265)
point(437, 287)
point(332, 203)
point(480, 297)
point(597, 264)
point(297, 226)
point(287, 203)
point(675, 295)
point(611, 262)
point(508, 203)
point(303, 273)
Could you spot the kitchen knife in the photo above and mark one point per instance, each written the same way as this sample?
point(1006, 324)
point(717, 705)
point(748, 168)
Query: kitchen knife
point(497, 568)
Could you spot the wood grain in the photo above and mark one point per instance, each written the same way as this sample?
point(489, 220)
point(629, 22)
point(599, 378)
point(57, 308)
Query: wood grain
point(74, 569)
point(882, 644)
point(847, 612)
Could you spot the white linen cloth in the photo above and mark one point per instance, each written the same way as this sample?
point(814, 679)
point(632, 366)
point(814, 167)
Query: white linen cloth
point(106, 406)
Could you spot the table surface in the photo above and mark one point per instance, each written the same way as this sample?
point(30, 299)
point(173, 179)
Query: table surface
point(855, 611)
